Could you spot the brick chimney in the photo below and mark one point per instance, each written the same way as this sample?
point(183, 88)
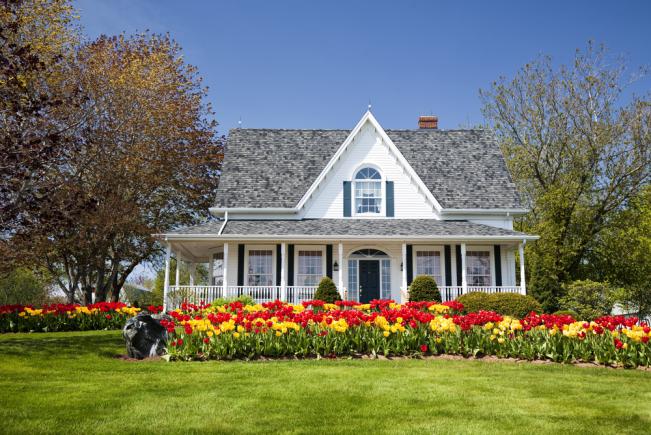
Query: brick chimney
point(428, 122)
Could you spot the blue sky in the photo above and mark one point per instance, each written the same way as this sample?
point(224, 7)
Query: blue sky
point(306, 64)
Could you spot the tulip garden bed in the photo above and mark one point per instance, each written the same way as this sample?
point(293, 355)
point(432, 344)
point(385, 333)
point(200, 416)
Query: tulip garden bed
point(67, 317)
point(315, 329)
point(74, 382)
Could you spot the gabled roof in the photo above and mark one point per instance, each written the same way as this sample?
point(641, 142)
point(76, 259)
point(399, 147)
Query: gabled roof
point(274, 168)
point(349, 228)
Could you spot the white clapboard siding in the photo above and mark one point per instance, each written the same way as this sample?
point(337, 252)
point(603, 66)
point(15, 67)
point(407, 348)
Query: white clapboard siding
point(327, 201)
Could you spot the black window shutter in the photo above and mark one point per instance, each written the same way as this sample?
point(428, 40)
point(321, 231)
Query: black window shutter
point(240, 264)
point(410, 265)
point(390, 206)
point(290, 265)
point(279, 264)
point(329, 261)
point(448, 265)
point(459, 277)
point(498, 265)
point(347, 194)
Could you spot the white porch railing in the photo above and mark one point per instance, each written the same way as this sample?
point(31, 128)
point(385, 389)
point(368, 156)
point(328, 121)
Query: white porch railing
point(299, 293)
point(208, 293)
point(295, 294)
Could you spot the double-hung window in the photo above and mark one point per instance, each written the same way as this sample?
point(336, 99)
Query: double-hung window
point(368, 191)
point(428, 262)
point(261, 270)
point(478, 268)
point(310, 267)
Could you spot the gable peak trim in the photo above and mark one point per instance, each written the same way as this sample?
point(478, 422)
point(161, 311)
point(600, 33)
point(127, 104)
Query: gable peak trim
point(386, 140)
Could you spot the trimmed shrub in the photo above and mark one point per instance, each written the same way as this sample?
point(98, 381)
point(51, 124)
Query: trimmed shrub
point(589, 299)
point(475, 301)
point(514, 304)
point(327, 291)
point(507, 304)
point(423, 288)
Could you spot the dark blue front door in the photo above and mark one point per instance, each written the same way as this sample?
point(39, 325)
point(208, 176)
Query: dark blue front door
point(369, 280)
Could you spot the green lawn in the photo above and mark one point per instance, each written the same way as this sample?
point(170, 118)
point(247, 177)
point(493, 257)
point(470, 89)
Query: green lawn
point(73, 383)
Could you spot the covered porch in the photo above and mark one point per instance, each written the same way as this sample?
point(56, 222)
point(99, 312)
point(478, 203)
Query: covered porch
point(364, 267)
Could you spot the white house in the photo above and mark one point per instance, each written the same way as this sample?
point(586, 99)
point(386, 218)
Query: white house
point(368, 207)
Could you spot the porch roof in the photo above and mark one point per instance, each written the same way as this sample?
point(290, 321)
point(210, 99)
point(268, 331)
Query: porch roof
point(345, 229)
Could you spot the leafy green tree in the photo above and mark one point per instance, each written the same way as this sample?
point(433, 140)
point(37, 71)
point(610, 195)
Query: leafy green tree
point(623, 256)
point(578, 148)
point(589, 299)
point(25, 286)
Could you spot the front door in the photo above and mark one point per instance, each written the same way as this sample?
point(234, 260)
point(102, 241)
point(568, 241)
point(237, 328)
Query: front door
point(369, 280)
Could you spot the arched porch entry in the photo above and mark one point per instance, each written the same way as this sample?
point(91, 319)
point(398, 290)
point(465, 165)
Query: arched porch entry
point(369, 275)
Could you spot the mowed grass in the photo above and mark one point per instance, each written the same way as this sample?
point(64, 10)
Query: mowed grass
point(74, 383)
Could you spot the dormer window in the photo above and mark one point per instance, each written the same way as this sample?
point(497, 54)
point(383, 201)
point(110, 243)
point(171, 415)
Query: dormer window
point(368, 191)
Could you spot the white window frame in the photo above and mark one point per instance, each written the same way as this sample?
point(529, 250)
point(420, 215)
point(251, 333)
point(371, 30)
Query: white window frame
point(212, 252)
point(271, 248)
point(298, 248)
point(428, 248)
point(212, 267)
point(491, 257)
point(383, 192)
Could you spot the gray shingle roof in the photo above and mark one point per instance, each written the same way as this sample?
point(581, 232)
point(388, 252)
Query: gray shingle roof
point(274, 167)
point(348, 227)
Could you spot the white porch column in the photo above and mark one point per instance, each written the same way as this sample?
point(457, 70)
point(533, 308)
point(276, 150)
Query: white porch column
point(193, 268)
point(464, 279)
point(225, 271)
point(341, 270)
point(523, 286)
point(178, 271)
point(403, 286)
point(283, 273)
point(166, 283)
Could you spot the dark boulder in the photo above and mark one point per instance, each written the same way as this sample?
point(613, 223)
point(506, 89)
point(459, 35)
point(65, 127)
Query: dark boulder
point(145, 336)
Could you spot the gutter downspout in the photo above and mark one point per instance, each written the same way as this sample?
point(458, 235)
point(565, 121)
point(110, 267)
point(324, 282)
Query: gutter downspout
point(224, 224)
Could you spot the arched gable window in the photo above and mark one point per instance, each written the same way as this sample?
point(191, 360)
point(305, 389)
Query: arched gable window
point(368, 191)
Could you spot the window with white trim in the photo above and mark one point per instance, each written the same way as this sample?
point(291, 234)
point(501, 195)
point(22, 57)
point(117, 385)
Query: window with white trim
point(429, 263)
point(353, 283)
point(310, 267)
point(261, 271)
point(385, 291)
point(368, 191)
point(478, 268)
point(218, 268)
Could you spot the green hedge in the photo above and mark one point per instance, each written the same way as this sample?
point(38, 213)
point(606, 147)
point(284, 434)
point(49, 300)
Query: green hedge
point(507, 304)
